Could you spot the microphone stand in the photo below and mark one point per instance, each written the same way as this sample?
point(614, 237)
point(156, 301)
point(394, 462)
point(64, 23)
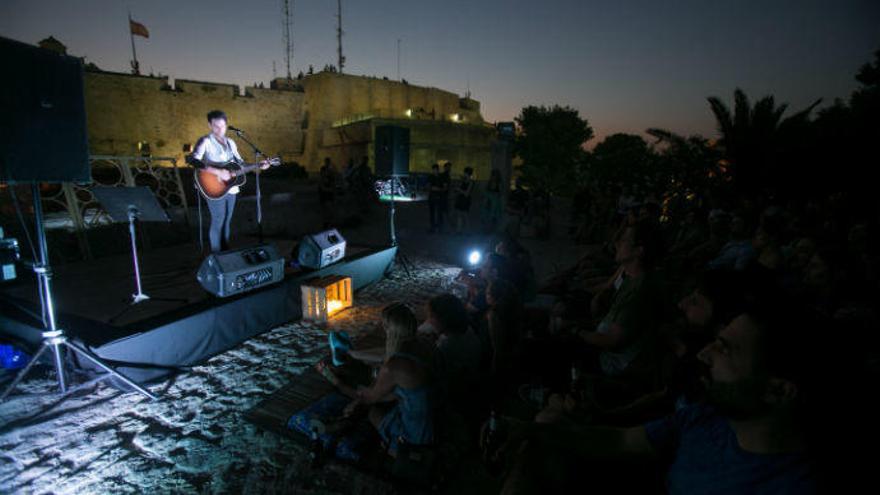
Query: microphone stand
point(257, 155)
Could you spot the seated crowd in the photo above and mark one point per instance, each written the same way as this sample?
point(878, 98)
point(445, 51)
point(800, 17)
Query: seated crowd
point(714, 350)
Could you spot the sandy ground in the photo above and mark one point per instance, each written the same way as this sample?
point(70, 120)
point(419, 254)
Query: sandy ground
point(195, 439)
point(100, 440)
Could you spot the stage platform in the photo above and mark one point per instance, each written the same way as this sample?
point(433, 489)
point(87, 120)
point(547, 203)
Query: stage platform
point(156, 337)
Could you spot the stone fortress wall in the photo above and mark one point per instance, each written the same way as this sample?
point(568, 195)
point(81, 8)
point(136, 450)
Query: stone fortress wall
point(123, 111)
point(322, 115)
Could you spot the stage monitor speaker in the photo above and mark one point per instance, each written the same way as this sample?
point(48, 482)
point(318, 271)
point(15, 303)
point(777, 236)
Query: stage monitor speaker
point(391, 148)
point(234, 272)
point(319, 250)
point(43, 129)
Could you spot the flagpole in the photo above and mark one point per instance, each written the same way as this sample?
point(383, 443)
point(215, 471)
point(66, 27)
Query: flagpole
point(134, 63)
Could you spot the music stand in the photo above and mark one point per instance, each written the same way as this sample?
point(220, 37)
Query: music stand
point(127, 204)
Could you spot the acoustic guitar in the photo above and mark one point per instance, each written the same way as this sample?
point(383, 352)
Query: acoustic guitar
point(212, 187)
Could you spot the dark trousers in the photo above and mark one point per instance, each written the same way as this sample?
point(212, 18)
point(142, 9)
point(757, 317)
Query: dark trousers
point(221, 219)
point(436, 211)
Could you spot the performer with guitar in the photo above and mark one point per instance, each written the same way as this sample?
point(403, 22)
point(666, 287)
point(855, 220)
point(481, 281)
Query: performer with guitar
point(219, 165)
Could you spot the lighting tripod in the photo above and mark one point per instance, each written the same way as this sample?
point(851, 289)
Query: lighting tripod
point(399, 256)
point(54, 338)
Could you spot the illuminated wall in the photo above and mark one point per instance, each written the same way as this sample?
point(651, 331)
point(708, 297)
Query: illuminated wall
point(306, 126)
point(342, 111)
point(122, 110)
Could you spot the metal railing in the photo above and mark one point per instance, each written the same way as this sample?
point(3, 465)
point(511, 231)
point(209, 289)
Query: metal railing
point(83, 212)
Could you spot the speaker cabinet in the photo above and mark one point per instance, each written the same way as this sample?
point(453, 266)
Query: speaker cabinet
point(43, 128)
point(319, 250)
point(234, 272)
point(391, 147)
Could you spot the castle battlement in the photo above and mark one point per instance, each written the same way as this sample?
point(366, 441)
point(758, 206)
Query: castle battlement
point(302, 120)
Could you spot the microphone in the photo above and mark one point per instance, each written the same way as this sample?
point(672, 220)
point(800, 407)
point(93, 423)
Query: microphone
point(235, 129)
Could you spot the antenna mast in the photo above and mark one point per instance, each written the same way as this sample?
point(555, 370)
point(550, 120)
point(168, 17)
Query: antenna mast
point(286, 23)
point(339, 34)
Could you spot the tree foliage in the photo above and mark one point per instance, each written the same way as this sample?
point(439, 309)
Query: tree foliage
point(761, 148)
point(844, 137)
point(693, 163)
point(622, 158)
point(756, 139)
point(550, 144)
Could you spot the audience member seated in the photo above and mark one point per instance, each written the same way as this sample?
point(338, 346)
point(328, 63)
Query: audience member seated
point(457, 352)
point(584, 304)
point(603, 294)
point(510, 262)
point(796, 256)
point(494, 267)
point(625, 331)
point(766, 243)
point(593, 268)
point(578, 285)
point(627, 327)
point(823, 283)
point(578, 277)
point(399, 400)
point(376, 356)
point(650, 212)
point(719, 234)
point(747, 437)
point(738, 252)
point(503, 330)
point(709, 306)
point(518, 268)
point(689, 235)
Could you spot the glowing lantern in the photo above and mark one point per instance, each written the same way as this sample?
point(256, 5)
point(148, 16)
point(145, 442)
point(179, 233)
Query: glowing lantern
point(324, 297)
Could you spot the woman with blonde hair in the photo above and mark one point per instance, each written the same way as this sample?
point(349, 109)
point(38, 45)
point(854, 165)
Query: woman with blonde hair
point(400, 325)
point(399, 399)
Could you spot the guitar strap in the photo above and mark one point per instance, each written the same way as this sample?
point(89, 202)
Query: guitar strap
point(259, 202)
point(199, 201)
point(226, 147)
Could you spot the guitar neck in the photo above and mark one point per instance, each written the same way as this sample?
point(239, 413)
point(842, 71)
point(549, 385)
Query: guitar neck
point(237, 169)
point(245, 168)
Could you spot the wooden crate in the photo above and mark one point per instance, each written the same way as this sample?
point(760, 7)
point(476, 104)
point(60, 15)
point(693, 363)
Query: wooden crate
point(324, 297)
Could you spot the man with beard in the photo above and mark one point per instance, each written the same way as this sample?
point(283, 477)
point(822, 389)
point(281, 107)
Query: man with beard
point(747, 438)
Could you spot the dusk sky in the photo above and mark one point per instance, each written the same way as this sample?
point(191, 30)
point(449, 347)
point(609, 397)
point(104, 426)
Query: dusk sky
point(625, 65)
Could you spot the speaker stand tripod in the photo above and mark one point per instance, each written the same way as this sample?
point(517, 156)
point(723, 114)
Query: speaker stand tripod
point(53, 337)
point(399, 256)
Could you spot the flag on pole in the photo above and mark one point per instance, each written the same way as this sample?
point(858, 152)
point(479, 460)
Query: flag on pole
point(138, 29)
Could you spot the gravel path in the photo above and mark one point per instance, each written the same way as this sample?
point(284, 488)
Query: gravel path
point(194, 440)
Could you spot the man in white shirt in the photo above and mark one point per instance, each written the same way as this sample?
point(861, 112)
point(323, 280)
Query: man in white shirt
point(217, 148)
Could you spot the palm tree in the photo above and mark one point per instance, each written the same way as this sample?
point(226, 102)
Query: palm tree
point(754, 139)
